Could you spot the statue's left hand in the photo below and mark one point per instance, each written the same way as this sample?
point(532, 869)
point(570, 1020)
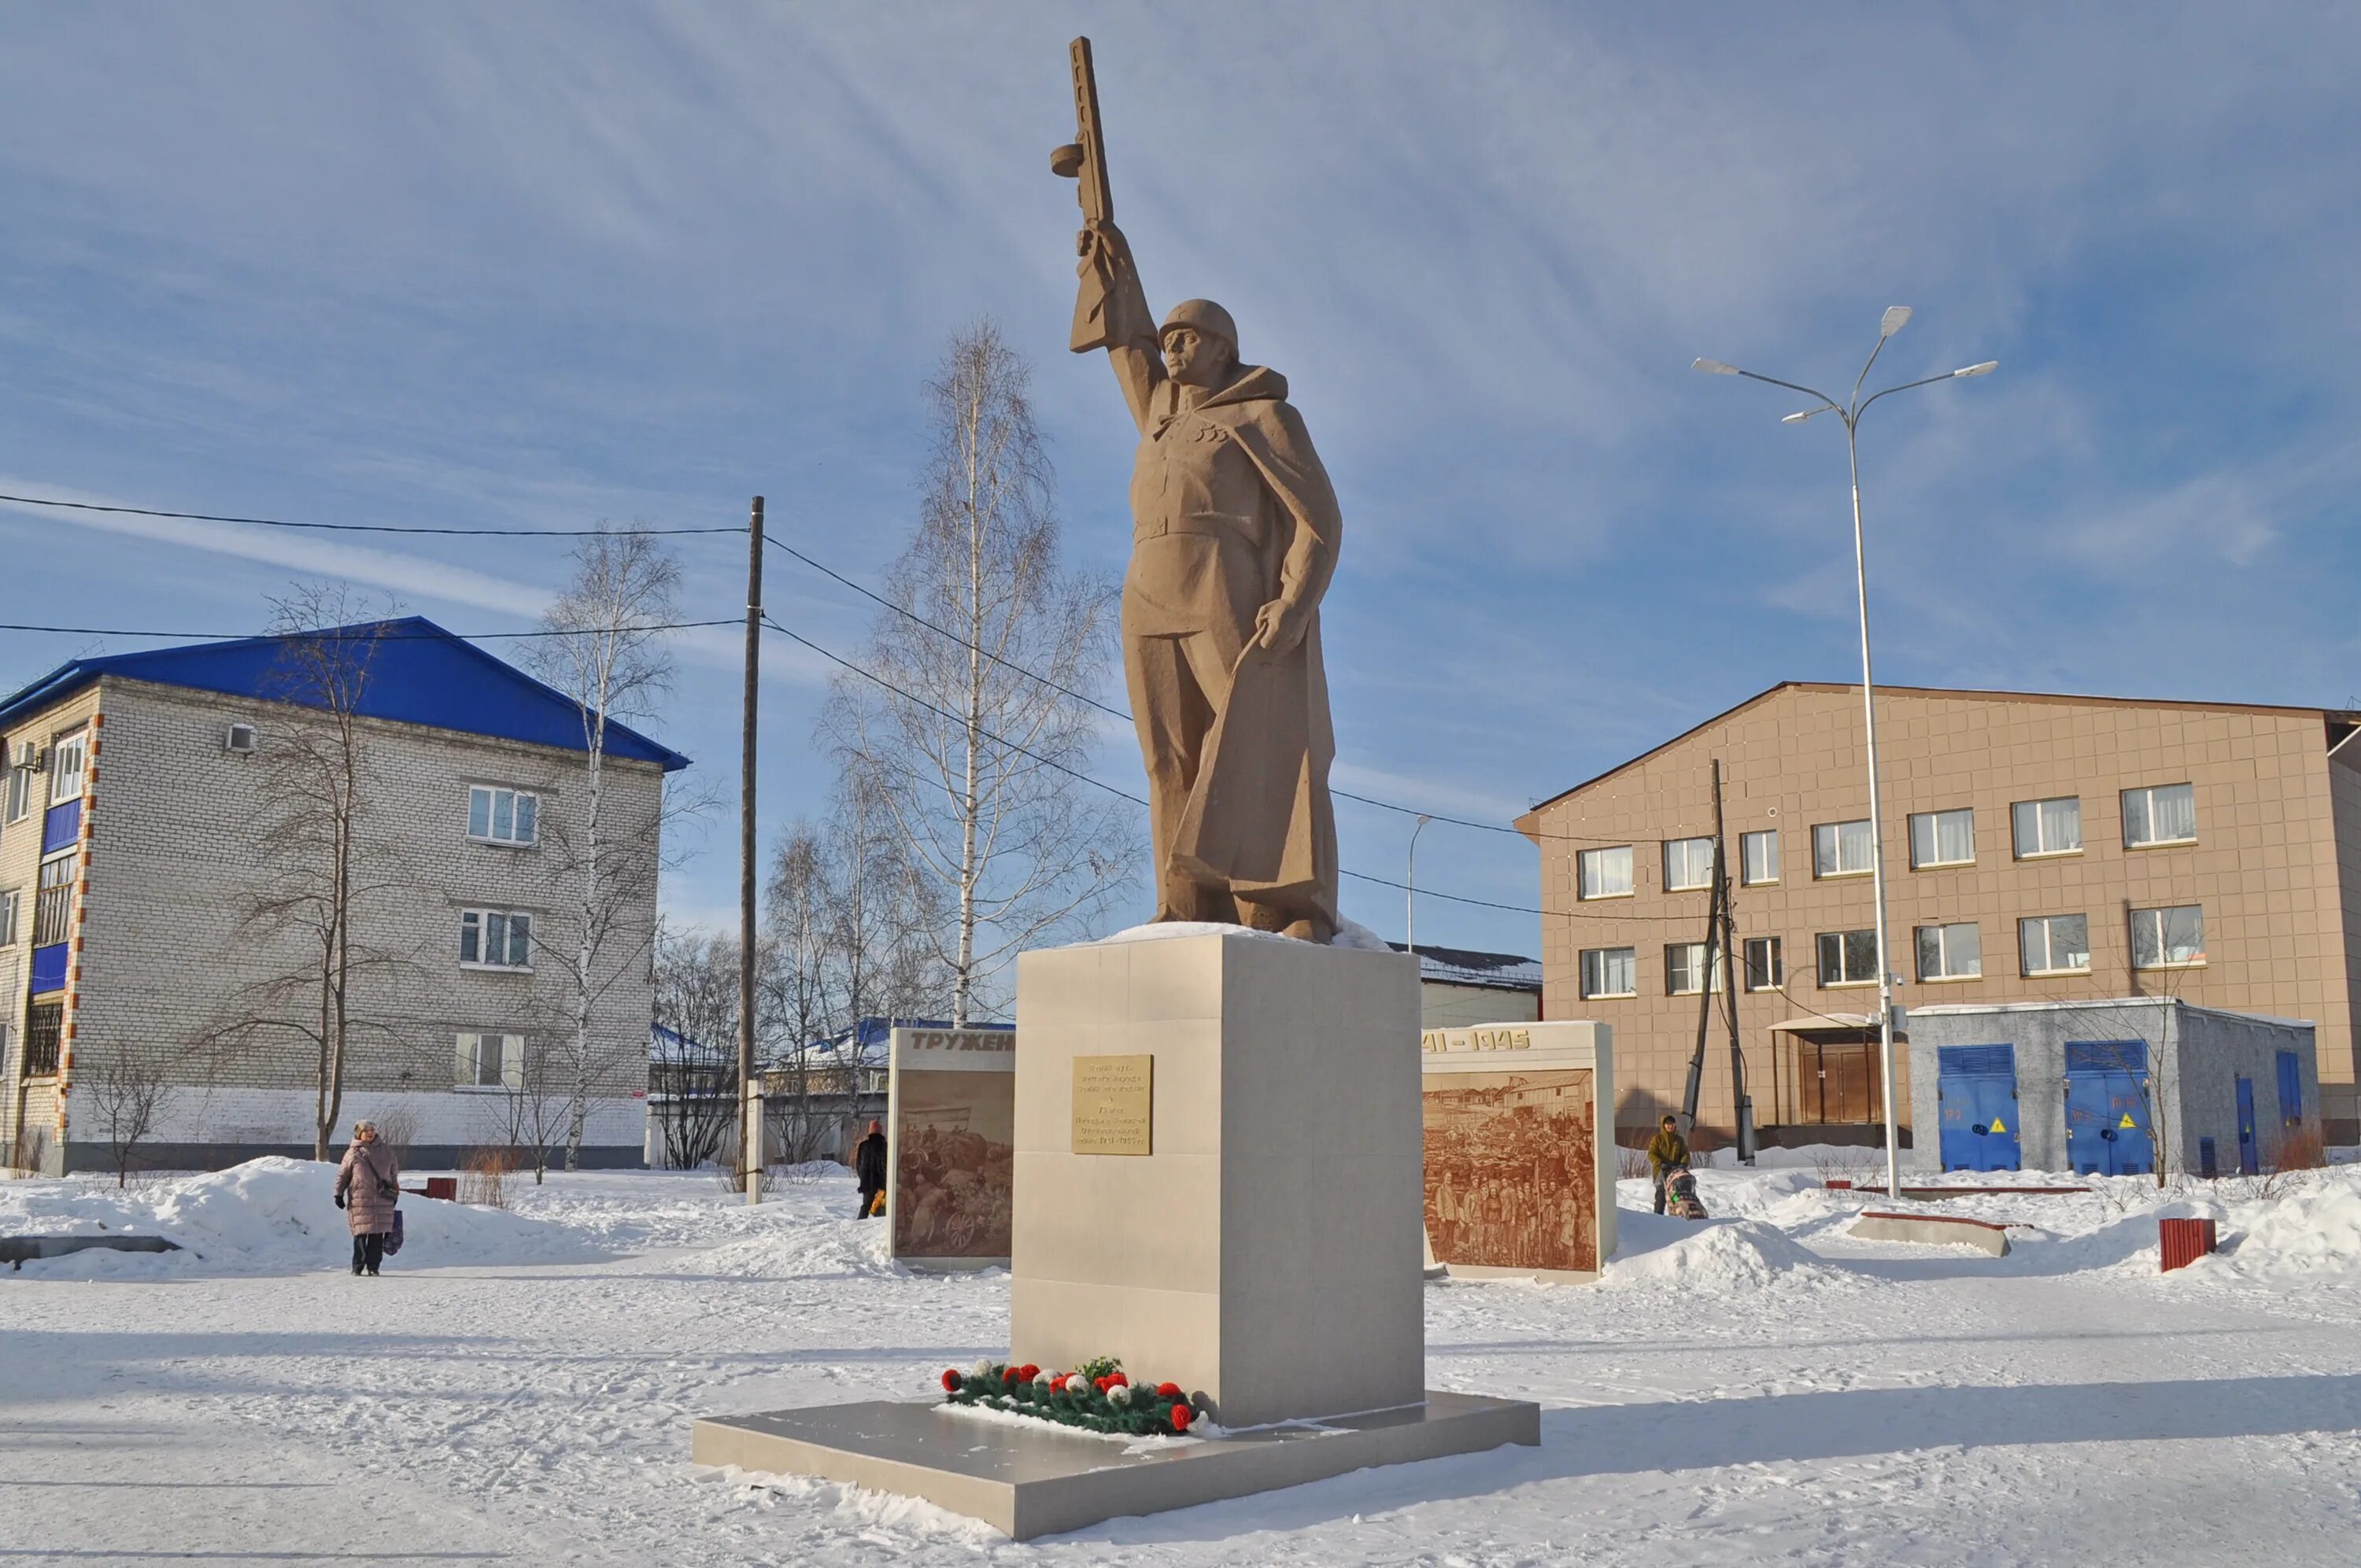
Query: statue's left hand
point(1279, 627)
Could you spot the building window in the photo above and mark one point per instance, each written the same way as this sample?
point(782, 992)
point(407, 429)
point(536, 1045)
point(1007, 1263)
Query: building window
point(1765, 970)
point(1688, 863)
point(45, 1023)
point(1604, 873)
point(10, 902)
point(20, 793)
point(2168, 939)
point(1942, 839)
point(496, 939)
point(1951, 952)
point(2161, 814)
point(1610, 971)
point(2055, 944)
point(490, 1061)
point(1689, 966)
point(502, 815)
point(2047, 827)
point(1758, 857)
point(1841, 849)
point(1848, 957)
point(53, 904)
point(65, 768)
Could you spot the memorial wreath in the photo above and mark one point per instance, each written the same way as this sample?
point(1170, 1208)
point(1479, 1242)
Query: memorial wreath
point(1099, 1396)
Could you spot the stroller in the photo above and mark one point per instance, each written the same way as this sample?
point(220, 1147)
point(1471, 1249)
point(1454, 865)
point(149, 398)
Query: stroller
point(1680, 1194)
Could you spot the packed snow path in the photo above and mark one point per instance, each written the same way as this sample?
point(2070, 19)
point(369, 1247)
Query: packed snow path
point(1760, 1388)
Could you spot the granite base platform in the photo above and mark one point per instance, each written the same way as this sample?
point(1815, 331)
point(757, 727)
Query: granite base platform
point(1032, 1480)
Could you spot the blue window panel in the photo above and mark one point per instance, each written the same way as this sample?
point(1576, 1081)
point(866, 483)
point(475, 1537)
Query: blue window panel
point(2291, 1067)
point(50, 968)
point(2107, 1115)
point(2208, 1165)
point(1977, 1090)
point(2250, 1149)
point(62, 827)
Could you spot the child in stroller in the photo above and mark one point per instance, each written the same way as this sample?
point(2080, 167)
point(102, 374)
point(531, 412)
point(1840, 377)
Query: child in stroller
point(1680, 1194)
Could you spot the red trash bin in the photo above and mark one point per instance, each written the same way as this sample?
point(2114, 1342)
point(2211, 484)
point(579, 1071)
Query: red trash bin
point(2183, 1242)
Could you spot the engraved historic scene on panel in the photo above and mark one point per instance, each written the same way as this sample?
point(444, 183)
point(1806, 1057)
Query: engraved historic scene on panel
point(1512, 1179)
point(956, 1132)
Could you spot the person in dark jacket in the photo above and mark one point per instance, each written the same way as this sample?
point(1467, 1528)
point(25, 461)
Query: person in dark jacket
point(869, 1165)
point(1667, 1152)
point(368, 1184)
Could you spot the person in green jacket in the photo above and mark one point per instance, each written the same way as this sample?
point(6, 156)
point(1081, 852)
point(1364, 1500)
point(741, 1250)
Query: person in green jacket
point(1667, 1152)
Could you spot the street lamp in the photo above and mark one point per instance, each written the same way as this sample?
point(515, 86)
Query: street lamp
point(1409, 890)
point(1895, 318)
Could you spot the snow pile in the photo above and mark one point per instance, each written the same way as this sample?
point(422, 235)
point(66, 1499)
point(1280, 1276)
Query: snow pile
point(2314, 1229)
point(815, 1249)
point(1705, 1257)
point(265, 1216)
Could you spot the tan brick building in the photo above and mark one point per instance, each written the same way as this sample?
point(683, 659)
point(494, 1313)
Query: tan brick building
point(2037, 848)
point(139, 829)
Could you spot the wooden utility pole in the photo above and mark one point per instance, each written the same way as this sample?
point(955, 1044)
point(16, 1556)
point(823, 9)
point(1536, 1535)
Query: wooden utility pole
point(1721, 942)
point(749, 1085)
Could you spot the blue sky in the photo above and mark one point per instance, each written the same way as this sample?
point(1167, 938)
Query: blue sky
point(537, 265)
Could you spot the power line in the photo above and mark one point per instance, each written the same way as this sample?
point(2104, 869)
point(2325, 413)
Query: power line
point(354, 527)
point(1086, 699)
point(378, 637)
point(1140, 801)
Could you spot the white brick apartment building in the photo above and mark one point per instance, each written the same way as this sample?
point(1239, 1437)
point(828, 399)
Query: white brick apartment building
point(142, 826)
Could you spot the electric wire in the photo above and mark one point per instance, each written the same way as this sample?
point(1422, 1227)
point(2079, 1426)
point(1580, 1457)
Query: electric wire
point(378, 637)
point(354, 527)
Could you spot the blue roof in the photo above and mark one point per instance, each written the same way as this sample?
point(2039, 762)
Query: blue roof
point(419, 674)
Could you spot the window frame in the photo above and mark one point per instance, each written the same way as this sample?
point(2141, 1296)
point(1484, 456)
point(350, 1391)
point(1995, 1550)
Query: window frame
point(1819, 957)
point(1836, 830)
point(468, 1050)
point(1583, 972)
point(1746, 877)
point(1583, 860)
point(12, 904)
point(2025, 967)
point(1708, 953)
point(77, 746)
point(516, 931)
point(2124, 803)
point(2016, 835)
point(1933, 820)
point(19, 802)
point(1777, 969)
point(1945, 975)
point(523, 804)
point(2160, 911)
point(1687, 848)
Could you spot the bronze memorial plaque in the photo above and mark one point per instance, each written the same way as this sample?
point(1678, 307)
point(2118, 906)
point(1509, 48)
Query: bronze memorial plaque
point(1114, 1101)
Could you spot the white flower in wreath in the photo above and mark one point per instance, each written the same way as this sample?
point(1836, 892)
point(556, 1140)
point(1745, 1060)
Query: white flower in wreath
point(1119, 1397)
point(986, 1370)
point(1043, 1379)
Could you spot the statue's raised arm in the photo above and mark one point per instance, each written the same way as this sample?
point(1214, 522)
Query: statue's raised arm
point(1110, 307)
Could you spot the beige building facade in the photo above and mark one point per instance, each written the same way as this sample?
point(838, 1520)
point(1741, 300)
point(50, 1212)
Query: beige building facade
point(2036, 849)
point(137, 846)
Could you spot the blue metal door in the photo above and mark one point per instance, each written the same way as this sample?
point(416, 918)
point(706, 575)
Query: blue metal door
point(1976, 1087)
point(2107, 1131)
point(2290, 1069)
point(2250, 1152)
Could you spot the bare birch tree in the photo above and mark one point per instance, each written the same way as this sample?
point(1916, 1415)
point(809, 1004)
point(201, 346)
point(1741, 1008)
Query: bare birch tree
point(607, 653)
point(129, 1095)
point(693, 1076)
point(974, 761)
point(324, 858)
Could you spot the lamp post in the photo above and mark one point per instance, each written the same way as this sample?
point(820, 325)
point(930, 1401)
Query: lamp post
point(1850, 411)
point(1409, 890)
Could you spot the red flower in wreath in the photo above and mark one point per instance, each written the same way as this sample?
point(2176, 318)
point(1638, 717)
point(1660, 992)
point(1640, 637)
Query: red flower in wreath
point(1181, 1416)
point(950, 1381)
point(1028, 1372)
point(1168, 1390)
point(1101, 1384)
point(1118, 1381)
point(1008, 1375)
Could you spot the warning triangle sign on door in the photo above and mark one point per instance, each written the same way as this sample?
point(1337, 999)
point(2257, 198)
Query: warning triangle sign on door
point(2128, 1121)
point(1996, 1126)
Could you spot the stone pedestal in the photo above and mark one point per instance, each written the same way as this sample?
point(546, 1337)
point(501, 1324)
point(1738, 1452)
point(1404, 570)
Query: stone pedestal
point(1266, 1248)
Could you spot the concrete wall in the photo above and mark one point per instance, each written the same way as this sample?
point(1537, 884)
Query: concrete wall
point(176, 855)
point(2200, 1053)
point(2276, 868)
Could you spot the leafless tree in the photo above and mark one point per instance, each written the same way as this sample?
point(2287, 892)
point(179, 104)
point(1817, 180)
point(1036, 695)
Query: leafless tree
point(127, 1095)
point(608, 656)
point(533, 1110)
point(324, 857)
point(693, 1076)
point(972, 745)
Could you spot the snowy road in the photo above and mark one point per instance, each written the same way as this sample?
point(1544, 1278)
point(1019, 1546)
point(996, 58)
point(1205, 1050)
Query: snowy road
point(1789, 1395)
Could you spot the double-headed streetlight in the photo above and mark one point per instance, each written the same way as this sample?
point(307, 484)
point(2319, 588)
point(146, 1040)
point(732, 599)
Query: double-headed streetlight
point(1896, 317)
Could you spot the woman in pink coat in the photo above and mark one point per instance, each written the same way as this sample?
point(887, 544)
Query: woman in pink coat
point(368, 1184)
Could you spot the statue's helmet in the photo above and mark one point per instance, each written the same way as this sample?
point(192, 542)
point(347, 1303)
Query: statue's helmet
point(1208, 318)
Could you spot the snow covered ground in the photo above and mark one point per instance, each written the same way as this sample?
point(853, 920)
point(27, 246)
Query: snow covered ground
point(518, 1387)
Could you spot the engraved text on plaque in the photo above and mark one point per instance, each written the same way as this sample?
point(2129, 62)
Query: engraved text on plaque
point(1113, 1105)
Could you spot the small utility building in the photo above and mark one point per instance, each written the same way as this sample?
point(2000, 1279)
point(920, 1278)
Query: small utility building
point(2107, 1088)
